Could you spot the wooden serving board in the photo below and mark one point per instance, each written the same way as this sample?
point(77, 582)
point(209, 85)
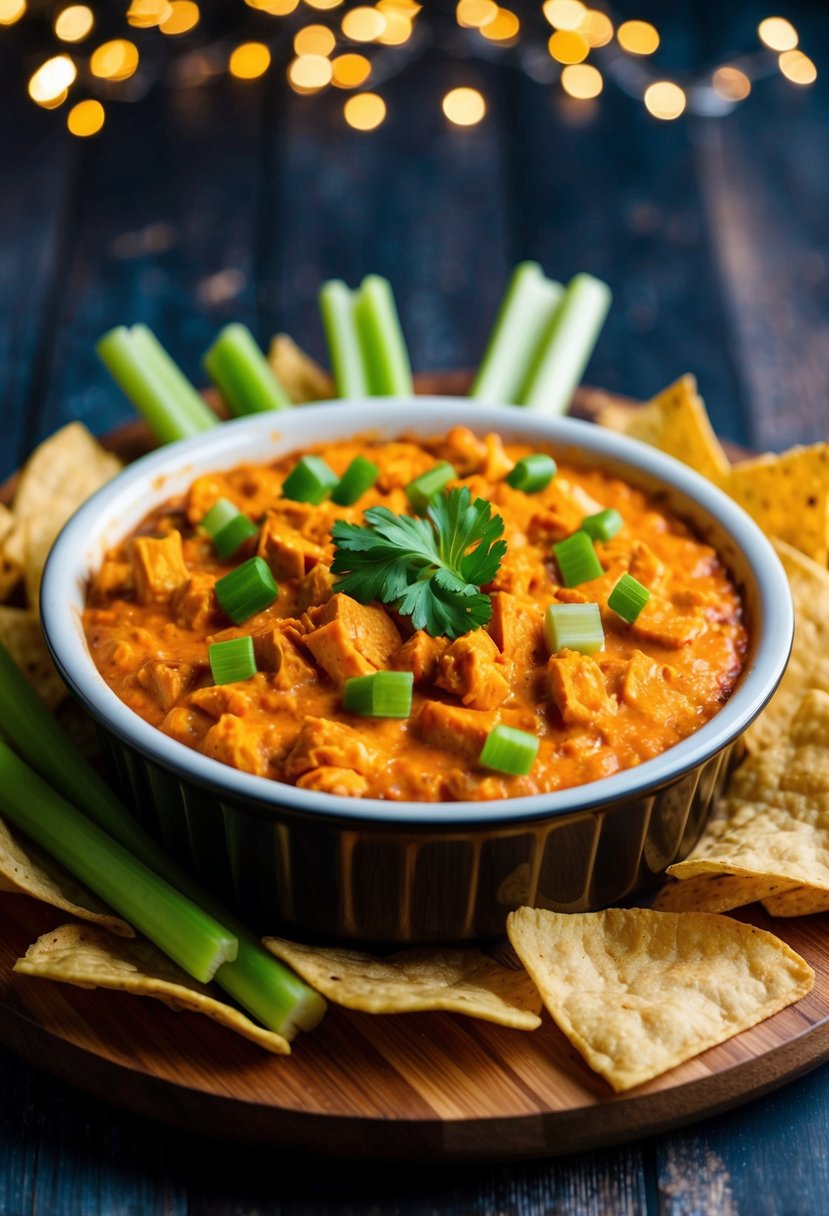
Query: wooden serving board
point(411, 1087)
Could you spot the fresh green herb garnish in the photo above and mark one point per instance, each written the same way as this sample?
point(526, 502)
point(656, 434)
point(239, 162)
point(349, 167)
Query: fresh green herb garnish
point(431, 569)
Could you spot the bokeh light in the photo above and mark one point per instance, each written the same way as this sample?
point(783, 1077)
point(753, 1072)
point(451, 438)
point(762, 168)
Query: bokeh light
point(363, 24)
point(731, 84)
point(350, 71)
point(797, 67)
point(364, 111)
point(464, 107)
point(664, 99)
point(566, 46)
point(114, 60)
point(184, 17)
point(144, 14)
point(777, 33)
point(582, 81)
point(638, 37)
point(274, 8)
point(314, 40)
point(310, 73)
point(597, 28)
point(249, 60)
point(565, 14)
point(51, 80)
point(11, 11)
point(472, 14)
point(72, 24)
point(323, 4)
point(502, 28)
point(398, 28)
point(86, 118)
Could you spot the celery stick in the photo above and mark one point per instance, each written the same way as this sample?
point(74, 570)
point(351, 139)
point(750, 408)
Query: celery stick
point(189, 936)
point(524, 317)
point(179, 388)
point(238, 367)
point(337, 307)
point(568, 345)
point(385, 358)
point(149, 387)
point(267, 989)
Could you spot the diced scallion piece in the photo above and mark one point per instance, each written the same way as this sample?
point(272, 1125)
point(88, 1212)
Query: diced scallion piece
point(524, 317)
point(386, 694)
point(577, 560)
point(423, 489)
point(229, 539)
point(628, 598)
point(238, 367)
point(508, 750)
point(532, 473)
point(573, 627)
point(221, 513)
point(603, 525)
point(360, 476)
point(310, 480)
point(568, 345)
point(232, 660)
point(246, 590)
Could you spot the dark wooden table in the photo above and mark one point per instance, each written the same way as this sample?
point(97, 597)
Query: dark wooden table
point(233, 201)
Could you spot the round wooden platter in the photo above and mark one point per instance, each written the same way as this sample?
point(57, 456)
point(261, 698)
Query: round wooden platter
point(411, 1087)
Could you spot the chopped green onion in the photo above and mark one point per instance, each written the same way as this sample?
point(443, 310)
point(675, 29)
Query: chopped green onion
point(603, 525)
point(383, 347)
point(508, 750)
point(191, 937)
point(386, 694)
point(344, 346)
point(423, 489)
point(577, 560)
point(263, 986)
point(628, 598)
point(246, 590)
point(360, 476)
point(532, 473)
point(524, 317)
point(220, 514)
point(238, 367)
point(154, 384)
point(568, 345)
point(229, 539)
point(573, 627)
point(310, 480)
point(232, 660)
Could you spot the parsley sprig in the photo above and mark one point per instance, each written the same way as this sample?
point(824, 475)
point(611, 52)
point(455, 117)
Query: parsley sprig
point(431, 569)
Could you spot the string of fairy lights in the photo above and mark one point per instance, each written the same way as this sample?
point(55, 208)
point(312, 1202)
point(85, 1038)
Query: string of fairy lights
point(358, 49)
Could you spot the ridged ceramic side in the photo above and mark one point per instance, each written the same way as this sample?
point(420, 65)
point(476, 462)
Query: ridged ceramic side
point(399, 872)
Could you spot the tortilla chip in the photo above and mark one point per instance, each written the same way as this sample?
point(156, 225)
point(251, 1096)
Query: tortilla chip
point(809, 663)
point(774, 822)
point(788, 496)
point(25, 870)
point(11, 568)
point(86, 957)
point(22, 636)
point(456, 981)
point(638, 992)
point(799, 901)
point(676, 422)
point(715, 893)
point(301, 376)
point(59, 475)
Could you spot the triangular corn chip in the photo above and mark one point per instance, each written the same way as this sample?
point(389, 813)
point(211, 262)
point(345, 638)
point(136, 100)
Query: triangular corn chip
point(799, 901)
point(301, 376)
point(638, 992)
point(788, 496)
point(716, 893)
point(454, 980)
point(22, 636)
point(88, 958)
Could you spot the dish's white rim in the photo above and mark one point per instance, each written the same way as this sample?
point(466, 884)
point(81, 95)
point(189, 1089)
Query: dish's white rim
point(249, 438)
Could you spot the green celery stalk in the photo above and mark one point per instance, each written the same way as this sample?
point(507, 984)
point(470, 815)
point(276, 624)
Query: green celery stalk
point(151, 388)
point(238, 367)
point(344, 347)
point(383, 346)
point(262, 985)
point(179, 388)
point(190, 937)
point(524, 318)
point(568, 345)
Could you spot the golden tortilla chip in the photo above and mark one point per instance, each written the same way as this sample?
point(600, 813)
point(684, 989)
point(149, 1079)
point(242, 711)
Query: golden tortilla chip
point(11, 568)
point(799, 901)
point(788, 496)
point(59, 475)
point(715, 893)
point(456, 981)
point(25, 870)
point(638, 992)
point(676, 422)
point(809, 663)
point(301, 376)
point(22, 636)
point(774, 821)
point(88, 958)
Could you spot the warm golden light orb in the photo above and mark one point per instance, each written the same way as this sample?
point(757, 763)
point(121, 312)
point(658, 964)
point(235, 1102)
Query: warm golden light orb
point(464, 107)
